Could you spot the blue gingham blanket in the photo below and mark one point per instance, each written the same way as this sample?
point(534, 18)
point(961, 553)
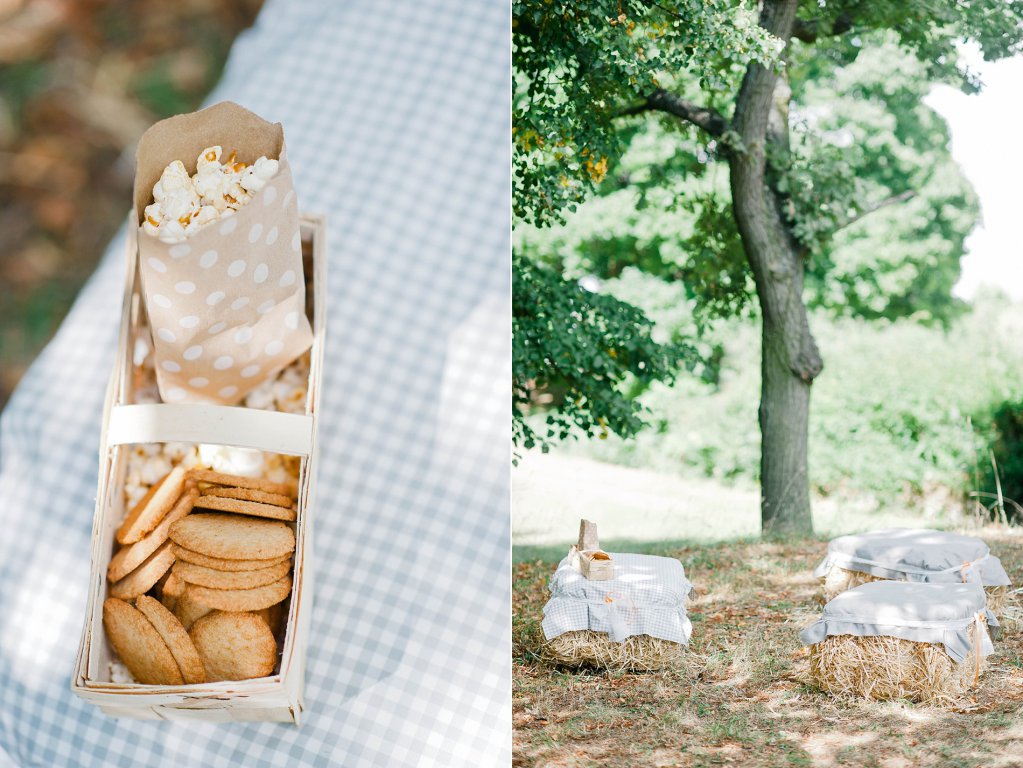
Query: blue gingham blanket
point(647, 596)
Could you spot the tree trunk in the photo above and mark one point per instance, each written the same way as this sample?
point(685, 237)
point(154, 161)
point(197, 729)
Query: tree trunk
point(790, 358)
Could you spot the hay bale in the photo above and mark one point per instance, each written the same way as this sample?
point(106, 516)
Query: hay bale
point(634, 621)
point(890, 639)
point(638, 653)
point(838, 580)
point(885, 668)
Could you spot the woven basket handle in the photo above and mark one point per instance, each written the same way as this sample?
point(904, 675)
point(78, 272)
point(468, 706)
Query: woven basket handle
point(288, 433)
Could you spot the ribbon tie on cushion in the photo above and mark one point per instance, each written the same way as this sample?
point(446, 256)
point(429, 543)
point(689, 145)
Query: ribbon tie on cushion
point(616, 611)
point(981, 642)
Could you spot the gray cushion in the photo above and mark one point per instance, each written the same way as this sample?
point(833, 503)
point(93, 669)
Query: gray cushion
point(916, 554)
point(926, 613)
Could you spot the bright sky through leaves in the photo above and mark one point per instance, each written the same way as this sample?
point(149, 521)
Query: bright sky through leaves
point(985, 142)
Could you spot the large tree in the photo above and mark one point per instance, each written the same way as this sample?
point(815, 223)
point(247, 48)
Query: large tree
point(799, 180)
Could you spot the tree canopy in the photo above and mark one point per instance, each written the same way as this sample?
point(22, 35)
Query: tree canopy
point(817, 109)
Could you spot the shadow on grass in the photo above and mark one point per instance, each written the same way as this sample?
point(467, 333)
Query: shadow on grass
point(742, 699)
point(554, 552)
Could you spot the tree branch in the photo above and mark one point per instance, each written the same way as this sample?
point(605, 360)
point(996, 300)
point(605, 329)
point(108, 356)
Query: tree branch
point(709, 120)
point(902, 197)
point(812, 31)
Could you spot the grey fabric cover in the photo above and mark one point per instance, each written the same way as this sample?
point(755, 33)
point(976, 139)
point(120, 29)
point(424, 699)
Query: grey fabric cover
point(647, 596)
point(925, 613)
point(916, 554)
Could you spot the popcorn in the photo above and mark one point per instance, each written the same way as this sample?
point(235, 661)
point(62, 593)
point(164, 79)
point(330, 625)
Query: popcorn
point(233, 461)
point(262, 397)
point(183, 204)
point(119, 673)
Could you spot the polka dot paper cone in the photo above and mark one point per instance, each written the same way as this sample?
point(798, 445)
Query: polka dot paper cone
point(227, 305)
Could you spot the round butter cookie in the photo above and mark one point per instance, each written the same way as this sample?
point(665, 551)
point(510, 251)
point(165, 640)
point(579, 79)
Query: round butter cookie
point(176, 638)
point(248, 494)
point(130, 556)
point(254, 599)
point(245, 507)
point(220, 564)
point(148, 513)
point(238, 481)
point(143, 578)
point(233, 537)
point(139, 645)
point(209, 577)
point(234, 646)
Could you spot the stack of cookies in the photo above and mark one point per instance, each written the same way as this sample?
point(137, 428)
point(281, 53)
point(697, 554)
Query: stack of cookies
point(208, 587)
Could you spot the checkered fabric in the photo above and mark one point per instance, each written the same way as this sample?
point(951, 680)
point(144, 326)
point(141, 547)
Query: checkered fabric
point(647, 596)
point(397, 124)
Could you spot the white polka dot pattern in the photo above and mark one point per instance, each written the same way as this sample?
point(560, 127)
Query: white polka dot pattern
point(227, 305)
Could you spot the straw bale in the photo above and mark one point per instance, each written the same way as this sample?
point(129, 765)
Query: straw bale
point(586, 648)
point(886, 668)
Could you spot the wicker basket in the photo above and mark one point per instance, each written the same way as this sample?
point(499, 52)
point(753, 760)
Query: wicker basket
point(277, 698)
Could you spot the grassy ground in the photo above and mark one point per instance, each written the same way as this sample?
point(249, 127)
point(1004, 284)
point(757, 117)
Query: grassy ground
point(741, 700)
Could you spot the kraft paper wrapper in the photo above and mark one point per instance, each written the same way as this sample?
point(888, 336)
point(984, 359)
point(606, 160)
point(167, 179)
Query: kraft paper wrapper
point(227, 305)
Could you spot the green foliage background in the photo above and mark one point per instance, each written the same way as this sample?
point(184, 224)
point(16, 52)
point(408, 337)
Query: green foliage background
point(637, 206)
point(902, 414)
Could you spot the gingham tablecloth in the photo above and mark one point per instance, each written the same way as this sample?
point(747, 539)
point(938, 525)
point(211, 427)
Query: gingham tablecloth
point(397, 126)
point(647, 596)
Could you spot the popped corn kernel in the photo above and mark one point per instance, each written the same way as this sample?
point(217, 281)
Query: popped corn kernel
point(184, 204)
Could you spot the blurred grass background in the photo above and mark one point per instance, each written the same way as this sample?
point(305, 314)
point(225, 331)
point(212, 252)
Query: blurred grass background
point(80, 80)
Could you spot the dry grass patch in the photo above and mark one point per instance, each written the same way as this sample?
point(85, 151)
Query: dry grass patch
point(742, 696)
